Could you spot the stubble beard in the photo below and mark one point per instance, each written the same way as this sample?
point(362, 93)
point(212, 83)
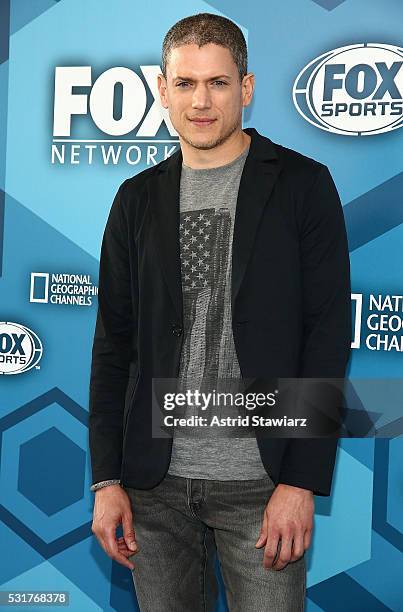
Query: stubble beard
point(214, 142)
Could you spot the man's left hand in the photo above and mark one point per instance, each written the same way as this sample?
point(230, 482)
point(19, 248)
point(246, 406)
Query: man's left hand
point(288, 523)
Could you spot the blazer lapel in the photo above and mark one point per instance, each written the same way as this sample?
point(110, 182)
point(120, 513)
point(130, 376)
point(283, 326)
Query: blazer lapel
point(259, 175)
point(164, 199)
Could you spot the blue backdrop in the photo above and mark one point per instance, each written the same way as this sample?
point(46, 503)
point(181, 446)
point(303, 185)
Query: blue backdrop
point(328, 84)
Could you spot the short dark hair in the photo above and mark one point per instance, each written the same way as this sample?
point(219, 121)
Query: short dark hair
point(205, 28)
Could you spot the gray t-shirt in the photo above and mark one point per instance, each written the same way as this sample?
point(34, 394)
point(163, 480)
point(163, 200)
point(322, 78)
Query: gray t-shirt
point(208, 199)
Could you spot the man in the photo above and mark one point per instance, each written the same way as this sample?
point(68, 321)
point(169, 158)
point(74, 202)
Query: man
point(266, 293)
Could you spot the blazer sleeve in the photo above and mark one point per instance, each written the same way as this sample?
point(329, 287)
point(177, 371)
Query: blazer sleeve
point(327, 322)
point(114, 344)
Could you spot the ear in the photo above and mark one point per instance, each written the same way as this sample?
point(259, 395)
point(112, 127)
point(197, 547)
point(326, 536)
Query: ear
point(248, 86)
point(162, 87)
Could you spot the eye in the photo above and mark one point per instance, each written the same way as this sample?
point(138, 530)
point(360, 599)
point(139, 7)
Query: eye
point(181, 83)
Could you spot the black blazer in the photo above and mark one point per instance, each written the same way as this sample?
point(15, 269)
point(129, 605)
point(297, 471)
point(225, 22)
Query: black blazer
point(291, 309)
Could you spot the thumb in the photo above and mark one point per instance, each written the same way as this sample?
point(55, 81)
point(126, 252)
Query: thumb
point(128, 532)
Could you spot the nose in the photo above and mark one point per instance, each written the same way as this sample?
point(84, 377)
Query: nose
point(201, 97)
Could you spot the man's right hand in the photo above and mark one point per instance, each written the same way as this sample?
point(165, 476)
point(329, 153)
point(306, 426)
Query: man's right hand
point(112, 508)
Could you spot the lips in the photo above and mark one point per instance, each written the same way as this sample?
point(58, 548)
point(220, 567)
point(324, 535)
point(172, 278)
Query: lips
point(202, 122)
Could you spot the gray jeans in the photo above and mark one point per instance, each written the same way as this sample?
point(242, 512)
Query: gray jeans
point(182, 523)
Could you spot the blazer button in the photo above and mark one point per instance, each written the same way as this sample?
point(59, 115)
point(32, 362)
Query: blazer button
point(176, 330)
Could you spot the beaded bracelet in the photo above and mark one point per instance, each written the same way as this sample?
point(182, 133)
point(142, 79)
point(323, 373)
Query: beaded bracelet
point(104, 483)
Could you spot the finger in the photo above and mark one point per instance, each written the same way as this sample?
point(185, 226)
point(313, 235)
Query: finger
point(263, 533)
point(297, 547)
point(126, 552)
point(270, 549)
point(104, 545)
point(113, 551)
point(121, 558)
point(284, 555)
point(123, 548)
point(128, 531)
point(307, 538)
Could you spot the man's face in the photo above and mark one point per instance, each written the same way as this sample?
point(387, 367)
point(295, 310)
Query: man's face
point(203, 83)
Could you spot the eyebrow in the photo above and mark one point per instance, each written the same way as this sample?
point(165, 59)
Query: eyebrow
point(226, 76)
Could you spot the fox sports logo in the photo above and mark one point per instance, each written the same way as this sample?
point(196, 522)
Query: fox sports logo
point(354, 90)
point(20, 348)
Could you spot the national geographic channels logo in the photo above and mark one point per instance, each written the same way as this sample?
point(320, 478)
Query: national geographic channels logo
point(354, 90)
point(113, 118)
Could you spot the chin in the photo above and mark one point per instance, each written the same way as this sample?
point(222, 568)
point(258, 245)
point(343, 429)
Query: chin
point(207, 141)
point(203, 144)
